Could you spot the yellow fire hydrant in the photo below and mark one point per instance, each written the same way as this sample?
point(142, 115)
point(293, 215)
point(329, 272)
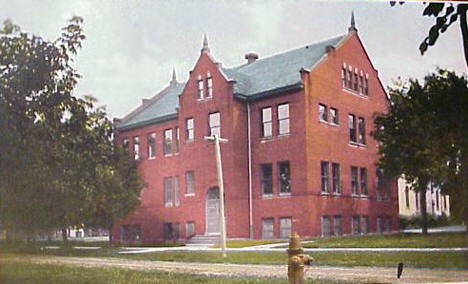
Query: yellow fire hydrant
point(296, 260)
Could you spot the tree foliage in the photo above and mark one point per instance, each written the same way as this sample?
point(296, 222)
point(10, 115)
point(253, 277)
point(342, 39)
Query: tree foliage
point(445, 14)
point(59, 165)
point(425, 134)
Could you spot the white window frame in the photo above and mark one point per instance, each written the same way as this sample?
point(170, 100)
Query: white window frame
point(214, 122)
point(267, 122)
point(209, 86)
point(200, 88)
point(190, 129)
point(151, 145)
point(284, 119)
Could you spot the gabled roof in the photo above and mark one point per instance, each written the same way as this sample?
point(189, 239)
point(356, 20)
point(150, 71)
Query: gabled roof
point(278, 71)
point(262, 77)
point(160, 107)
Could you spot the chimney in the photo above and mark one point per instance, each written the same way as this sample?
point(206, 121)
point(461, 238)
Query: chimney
point(251, 57)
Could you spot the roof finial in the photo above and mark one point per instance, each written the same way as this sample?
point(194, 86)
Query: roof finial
point(352, 27)
point(205, 47)
point(174, 77)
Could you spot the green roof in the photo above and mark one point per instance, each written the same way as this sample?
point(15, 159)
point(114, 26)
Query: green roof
point(265, 76)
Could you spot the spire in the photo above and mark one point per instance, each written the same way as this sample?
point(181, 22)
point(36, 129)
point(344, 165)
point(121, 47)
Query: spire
point(205, 47)
point(352, 27)
point(174, 77)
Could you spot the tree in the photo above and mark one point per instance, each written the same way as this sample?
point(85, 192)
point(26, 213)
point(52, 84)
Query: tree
point(59, 165)
point(425, 135)
point(446, 14)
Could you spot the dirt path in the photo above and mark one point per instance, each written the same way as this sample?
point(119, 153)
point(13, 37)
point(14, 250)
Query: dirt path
point(355, 274)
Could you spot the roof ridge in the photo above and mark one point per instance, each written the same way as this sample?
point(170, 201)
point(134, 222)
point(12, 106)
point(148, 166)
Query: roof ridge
point(235, 68)
point(152, 100)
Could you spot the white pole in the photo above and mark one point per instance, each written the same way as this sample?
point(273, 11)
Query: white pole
point(221, 195)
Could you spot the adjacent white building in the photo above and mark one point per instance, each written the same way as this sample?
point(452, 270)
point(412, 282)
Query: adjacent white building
point(410, 201)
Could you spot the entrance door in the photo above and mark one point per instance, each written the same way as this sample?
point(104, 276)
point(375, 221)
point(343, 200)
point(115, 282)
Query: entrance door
point(212, 211)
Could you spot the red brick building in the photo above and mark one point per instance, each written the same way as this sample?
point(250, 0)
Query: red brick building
point(299, 155)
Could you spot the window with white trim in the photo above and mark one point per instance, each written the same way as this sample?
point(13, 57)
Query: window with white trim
point(354, 180)
point(336, 178)
point(190, 182)
point(136, 147)
point(267, 129)
point(151, 145)
point(209, 85)
point(325, 176)
point(356, 225)
point(200, 88)
point(334, 116)
point(267, 179)
point(326, 226)
point(176, 191)
point(215, 124)
point(177, 142)
point(285, 228)
point(167, 142)
point(337, 226)
point(189, 130)
point(168, 185)
point(283, 119)
point(189, 229)
point(268, 229)
point(284, 173)
point(323, 112)
point(363, 176)
point(364, 224)
point(362, 131)
point(352, 128)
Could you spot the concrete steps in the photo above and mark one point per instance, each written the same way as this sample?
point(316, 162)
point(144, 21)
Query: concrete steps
point(203, 241)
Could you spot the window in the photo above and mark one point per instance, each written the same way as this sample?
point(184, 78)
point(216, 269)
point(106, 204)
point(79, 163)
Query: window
point(267, 229)
point(336, 178)
point(362, 131)
point(383, 189)
point(189, 132)
point(283, 119)
point(285, 228)
point(337, 226)
point(125, 143)
point(151, 145)
point(284, 177)
point(176, 191)
point(176, 231)
point(168, 192)
point(136, 147)
point(356, 225)
point(325, 176)
point(437, 199)
point(168, 231)
point(267, 130)
point(364, 181)
point(355, 86)
point(407, 197)
point(167, 142)
point(380, 225)
point(267, 179)
point(364, 225)
point(177, 144)
point(354, 180)
point(326, 226)
point(343, 77)
point(350, 78)
point(189, 229)
point(215, 124)
point(200, 88)
point(190, 182)
point(445, 202)
point(334, 116)
point(352, 128)
point(361, 84)
point(209, 85)
point(366, 85)
point(323, 113)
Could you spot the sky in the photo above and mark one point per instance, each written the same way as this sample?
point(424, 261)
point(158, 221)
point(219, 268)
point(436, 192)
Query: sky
point(132, 46)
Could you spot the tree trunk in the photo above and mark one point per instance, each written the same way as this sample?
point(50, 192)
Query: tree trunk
point(462, 9)
point(423, 210)
point(65, 237)
point(110, 227)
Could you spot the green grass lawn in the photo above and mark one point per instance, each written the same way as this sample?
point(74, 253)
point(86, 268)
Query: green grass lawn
point(436, 240)
point(450, 260)
point(25, 273)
